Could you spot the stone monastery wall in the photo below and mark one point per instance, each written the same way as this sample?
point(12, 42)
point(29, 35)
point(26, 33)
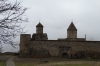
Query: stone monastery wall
point(56, 48)
point(38, 45)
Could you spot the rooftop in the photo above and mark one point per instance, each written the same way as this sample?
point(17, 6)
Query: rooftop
point(72, 27)
point(39, 25)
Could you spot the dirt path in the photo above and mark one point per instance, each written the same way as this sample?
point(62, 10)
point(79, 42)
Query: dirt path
point(10, 62)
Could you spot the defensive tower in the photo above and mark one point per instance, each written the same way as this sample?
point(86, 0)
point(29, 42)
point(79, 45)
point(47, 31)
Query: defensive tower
point(24, 44)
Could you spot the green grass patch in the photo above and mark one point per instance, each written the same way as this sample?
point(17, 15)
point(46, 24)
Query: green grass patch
point(75, 65)
point(2, 63)
point(53, 64)
point(25, 64)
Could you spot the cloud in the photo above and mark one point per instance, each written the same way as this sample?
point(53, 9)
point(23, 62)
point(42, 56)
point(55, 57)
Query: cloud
point(56, 16)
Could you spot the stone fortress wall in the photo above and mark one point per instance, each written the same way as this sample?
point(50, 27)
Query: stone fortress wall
point(39, 46)
point(58, 48)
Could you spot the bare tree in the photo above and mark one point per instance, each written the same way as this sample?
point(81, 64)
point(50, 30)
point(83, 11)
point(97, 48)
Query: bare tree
point(12, 15)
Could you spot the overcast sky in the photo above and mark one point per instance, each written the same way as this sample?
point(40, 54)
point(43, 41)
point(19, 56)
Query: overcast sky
point(56, 16)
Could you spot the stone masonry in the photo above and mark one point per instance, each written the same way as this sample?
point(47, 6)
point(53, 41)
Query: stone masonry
point(71, 47)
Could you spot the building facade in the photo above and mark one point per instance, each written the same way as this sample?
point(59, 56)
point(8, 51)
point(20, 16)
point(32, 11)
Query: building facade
point(71, 47)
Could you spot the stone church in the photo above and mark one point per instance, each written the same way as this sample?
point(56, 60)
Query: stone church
point(38, 45)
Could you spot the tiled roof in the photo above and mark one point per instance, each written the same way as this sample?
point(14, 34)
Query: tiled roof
point(39, 25)
point(72, 27)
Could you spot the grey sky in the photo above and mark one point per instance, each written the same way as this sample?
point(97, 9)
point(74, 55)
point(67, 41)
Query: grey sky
point(56, 16)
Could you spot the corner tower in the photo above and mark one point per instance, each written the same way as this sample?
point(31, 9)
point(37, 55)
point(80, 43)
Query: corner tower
point(24, 44)
point(39, 28)
point(72, 31)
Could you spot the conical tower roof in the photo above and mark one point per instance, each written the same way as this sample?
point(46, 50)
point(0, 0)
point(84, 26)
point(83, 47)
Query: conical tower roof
point(39, 25)
point(71, 27)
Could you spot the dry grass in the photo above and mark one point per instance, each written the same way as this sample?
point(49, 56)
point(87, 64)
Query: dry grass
point(64, 63)
point(56, 62)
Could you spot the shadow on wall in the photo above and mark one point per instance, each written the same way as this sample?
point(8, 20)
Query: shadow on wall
point(40, 53)
point(85, 54)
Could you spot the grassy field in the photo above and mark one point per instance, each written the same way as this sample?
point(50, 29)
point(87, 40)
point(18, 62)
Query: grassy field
point(56, 62)
point(65, 63)
point(2, 63)
point(3, 59)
